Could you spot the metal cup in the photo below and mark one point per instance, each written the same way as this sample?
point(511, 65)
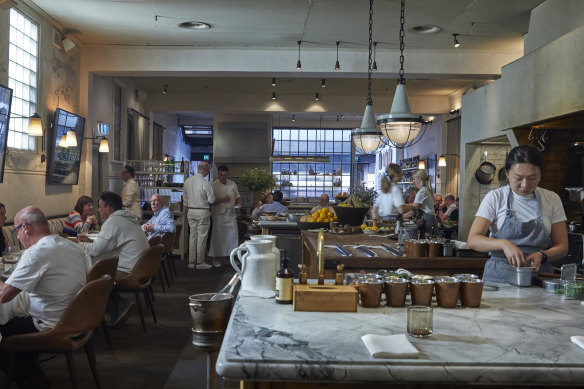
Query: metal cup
point(420, 321)
point(471, 292)
point(421, 291)
point(447, 290)
point(396, 290)
point(370, 290)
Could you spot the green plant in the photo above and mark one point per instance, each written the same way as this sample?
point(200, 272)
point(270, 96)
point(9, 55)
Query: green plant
point(366, 196)
point(258, 180)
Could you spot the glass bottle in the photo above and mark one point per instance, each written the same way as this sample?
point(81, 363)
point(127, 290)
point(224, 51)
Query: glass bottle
point(284, 278)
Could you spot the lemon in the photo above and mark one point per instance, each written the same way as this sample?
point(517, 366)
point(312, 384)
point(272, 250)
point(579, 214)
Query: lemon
point(363, 226)
point(375, 228)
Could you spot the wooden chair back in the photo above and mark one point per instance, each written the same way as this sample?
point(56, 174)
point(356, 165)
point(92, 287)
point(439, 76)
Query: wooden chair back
point(103, 266)
point(155, 240)
point(144, 270)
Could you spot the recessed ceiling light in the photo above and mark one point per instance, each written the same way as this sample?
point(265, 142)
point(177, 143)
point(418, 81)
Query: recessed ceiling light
point(428, 29)
point(192, 25)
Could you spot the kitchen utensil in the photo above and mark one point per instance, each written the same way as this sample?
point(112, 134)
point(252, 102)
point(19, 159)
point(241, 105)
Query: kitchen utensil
point(275, 250)
point(407, 231)
point(343, 251)
point(568, 273)
point(520, 276)
point(210, 316)
point(420, 321)
point(227, 288)
point(396, 290)
point(447, 290)
point(294, 217)
point(485, 172)
point(258, 267)
point(421, 291)
point(370, 289)
point(553, 286)
point(365, 250)
point(391, 250)
point(471, 292)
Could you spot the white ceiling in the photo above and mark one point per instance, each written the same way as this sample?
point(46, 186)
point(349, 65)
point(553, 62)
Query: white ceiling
point(484, 26)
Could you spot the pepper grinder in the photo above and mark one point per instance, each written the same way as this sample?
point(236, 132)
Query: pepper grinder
point(303, 276)
point(339, 277)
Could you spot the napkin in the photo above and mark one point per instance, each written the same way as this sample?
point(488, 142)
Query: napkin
point(265, 294)
point(578, 341)
point(389, 346)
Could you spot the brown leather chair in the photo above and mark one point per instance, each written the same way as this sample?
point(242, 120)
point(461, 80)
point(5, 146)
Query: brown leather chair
point(107, 266)
point(155, 241)
point(73, 331)
point(168, 242)
point(140, 279)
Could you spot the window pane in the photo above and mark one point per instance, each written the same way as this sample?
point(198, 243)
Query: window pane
point(22, 67)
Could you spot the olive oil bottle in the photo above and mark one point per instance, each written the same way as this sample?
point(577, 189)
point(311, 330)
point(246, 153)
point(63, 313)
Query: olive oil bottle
point(284, 278)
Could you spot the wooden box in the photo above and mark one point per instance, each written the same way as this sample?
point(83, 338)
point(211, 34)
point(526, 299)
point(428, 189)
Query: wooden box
point(325, 298)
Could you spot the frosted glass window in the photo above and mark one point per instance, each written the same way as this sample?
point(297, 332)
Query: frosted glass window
point(22, 78)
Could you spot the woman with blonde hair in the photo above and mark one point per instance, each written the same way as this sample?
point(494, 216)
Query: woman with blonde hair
point(390, 200)
point(424, 201)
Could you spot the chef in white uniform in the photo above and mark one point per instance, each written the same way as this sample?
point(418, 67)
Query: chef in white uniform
point(224, 237)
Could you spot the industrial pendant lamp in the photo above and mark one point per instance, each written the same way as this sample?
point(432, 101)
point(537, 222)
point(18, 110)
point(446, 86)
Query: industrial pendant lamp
point(337, 64)
point(367, 138)
point(298, 63)
point(400, 127)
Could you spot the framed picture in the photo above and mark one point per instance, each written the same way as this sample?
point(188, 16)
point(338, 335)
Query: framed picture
point(5, 105)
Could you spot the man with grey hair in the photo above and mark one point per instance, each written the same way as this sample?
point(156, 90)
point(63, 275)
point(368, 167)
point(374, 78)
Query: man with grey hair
point(48, 275)
point(198, 196)
point(449, 202)
point(161, 221)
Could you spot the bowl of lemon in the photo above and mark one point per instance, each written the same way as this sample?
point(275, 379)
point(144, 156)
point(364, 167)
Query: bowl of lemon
point(319, 219)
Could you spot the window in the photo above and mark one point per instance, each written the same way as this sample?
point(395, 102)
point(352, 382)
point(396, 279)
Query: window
point(311, 179)
point(22, 78)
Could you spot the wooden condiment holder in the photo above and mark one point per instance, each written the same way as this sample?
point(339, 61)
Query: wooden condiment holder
point(325, 298)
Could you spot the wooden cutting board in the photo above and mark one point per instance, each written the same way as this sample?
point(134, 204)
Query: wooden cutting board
point(325, 298)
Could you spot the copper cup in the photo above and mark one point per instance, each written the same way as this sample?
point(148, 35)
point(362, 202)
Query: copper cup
point(408, 247)
point(447, 290)
point(396, 290)
point(421, 291)
point(471, 292)
point(370, 292)
point(434, 248)
point(419, 248)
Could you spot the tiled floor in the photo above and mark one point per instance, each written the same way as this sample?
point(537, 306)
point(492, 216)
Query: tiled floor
point(161, 358)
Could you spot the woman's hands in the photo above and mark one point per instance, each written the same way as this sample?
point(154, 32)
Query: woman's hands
point(93, 219)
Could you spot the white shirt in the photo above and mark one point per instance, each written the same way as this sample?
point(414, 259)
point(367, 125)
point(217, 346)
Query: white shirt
point(198, 192)
point(229, 189)
point(451, 208)
point(51, 271)
point(388, 203)
point(494, 205)
point(426, 200)
point(131, 197)
point(120, 235)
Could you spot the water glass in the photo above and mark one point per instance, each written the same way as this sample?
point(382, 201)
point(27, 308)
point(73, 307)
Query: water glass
point(420, 321)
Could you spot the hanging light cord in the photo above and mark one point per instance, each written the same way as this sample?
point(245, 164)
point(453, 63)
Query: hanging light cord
point(402, 33)
point(369, 67)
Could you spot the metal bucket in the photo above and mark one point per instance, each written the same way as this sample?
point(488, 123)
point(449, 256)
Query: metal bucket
point(210, 316)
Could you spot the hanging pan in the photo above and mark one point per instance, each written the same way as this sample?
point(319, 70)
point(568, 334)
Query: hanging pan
point(486, 172)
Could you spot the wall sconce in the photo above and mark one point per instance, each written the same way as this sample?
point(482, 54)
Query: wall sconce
point(35, 125)
point(421, 164)
point(273, 95)
point(442, 160)
point(273, 81)
point(103, 143)
point(455, 111)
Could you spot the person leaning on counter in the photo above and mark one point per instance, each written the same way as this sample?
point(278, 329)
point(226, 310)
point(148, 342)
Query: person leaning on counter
point(527, 223)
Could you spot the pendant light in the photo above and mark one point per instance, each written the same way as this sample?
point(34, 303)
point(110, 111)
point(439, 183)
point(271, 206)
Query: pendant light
point(421, 164)
point(104, 146)
point(367, 138)
point(442, 161)
point(400, 127)
point(337, 64)
point(298, 63)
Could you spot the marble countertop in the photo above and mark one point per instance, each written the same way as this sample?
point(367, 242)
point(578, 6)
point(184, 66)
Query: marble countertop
point(518, 335)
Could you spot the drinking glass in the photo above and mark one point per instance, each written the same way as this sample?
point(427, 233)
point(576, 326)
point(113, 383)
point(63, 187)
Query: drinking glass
point(420, 321)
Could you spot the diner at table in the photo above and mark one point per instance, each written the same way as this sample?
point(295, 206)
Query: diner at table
point(161, 221)
point(81, 219)
point(48, 275)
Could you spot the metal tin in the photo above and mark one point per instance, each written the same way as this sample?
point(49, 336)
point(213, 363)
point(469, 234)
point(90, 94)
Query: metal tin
point(553, 286)
point(520, 276)
point(447, 249)
point(466, 276)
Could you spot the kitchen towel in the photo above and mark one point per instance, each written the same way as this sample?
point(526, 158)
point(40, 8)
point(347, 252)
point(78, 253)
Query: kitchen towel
point(389, 346)
point(578, 341)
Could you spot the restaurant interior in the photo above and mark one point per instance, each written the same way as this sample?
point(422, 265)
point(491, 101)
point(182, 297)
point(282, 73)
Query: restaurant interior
point(169, 84)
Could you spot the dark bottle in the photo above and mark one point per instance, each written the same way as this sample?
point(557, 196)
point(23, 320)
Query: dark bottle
point(284, 278)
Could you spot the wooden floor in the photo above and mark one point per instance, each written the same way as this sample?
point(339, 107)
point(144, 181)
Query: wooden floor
point(145, 361)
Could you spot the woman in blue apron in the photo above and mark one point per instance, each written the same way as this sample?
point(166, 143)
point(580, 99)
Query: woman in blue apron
point(424, 201)
point(527, 224)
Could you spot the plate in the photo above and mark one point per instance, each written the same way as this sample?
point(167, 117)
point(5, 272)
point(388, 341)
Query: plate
point(6, 274)
point(370, 232)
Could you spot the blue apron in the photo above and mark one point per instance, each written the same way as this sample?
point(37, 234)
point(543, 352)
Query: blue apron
point(530, 236)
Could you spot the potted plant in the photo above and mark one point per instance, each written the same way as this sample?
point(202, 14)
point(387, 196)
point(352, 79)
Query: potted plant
point(257, 181)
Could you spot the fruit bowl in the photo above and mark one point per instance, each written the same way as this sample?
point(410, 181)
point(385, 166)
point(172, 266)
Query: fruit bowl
point(351, 216)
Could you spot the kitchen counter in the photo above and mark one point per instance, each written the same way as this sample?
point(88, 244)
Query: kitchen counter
point(268, 226)
point(418, 265)
point(518, 336)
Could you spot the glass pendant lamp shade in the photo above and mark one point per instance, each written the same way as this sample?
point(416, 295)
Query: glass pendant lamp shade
point(104, 146)
point(442, 161)
point(71, 139)
point(400, 126)
point(366, 138)
point(421, 164)
point(35, 126)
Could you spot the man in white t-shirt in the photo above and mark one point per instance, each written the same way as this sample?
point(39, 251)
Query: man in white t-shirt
point(49, 274)
point(449, 202)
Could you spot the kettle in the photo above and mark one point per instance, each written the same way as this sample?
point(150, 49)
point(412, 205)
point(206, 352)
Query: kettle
point(258, 268)
point(407, 231)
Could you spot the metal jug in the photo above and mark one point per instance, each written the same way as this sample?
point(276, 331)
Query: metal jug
point(407, 231)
